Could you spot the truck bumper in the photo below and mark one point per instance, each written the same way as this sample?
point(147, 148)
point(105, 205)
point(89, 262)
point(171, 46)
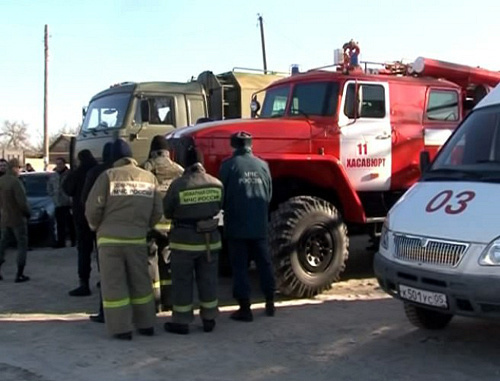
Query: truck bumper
point(467, 295)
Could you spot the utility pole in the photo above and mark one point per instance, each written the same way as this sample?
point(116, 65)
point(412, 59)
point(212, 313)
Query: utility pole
point(45, 100)
point(263, 42)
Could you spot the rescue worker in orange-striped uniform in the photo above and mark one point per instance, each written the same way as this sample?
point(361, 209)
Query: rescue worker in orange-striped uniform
point(165, 170)
point(122, 206)
point(192, 202)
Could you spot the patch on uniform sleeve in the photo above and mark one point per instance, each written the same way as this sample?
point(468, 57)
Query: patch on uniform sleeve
point(199, 196)
point(131, 188)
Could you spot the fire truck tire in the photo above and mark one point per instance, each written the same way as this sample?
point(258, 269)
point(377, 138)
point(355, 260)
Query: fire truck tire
point(309, 245)
point(424, 318)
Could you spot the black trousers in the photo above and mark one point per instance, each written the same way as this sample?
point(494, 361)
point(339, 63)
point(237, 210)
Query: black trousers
point(85, 242)
point(65, 223)
point(239, 252)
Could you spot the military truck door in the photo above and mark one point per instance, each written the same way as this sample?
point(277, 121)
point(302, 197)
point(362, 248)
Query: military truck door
point(365, 135)
point(154, 115)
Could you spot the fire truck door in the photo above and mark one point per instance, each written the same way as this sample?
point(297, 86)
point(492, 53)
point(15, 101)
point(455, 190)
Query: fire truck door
point(366, 135)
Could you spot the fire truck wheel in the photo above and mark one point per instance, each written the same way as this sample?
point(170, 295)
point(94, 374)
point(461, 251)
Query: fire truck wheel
point(427, 319)
point(309, 245)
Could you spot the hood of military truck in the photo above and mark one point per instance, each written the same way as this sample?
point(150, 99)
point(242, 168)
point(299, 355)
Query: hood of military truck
point(259, 128)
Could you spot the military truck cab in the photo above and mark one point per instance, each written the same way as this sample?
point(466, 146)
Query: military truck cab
point(138, 111)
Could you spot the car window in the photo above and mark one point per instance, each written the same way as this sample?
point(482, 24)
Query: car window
point(35, 185)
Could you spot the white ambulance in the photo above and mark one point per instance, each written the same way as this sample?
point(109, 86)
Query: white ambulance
point(440, 246)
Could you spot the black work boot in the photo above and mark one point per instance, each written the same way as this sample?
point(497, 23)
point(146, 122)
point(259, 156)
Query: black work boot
point(178, 328)
point(146, 331)
point(20, 277)
point(244, 313)
point(270, 308)
point(208, 325)
point(99, 318)
point(82, 290)
point(123, 336)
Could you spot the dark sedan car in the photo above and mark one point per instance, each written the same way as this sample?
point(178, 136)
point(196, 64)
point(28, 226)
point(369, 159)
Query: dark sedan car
point(41, 225)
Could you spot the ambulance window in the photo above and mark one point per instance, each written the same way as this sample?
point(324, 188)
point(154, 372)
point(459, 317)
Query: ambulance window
point(371, 101)
point(442, 105)
point(275, 102)
point(476, 141)
point(318, 98)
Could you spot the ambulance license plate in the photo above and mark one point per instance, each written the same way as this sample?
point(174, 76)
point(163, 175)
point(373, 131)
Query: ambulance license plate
point(417, 295)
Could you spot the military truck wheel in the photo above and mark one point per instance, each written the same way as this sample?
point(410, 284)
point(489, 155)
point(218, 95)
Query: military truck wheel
point(309, 245)
point(428, 319)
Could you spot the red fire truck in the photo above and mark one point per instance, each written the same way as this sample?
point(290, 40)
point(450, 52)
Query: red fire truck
point(342, 145)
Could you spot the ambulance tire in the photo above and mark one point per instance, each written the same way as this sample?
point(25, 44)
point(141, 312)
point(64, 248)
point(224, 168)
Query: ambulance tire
point(309, 246)
point(424, 318)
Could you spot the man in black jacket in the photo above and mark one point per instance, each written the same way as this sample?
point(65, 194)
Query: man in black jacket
point(92, 175)
point(73, 186)
point(248, 189)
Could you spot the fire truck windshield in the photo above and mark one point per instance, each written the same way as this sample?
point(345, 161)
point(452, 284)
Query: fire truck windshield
point(305, 99)
point(106, 112)
point(473, 152)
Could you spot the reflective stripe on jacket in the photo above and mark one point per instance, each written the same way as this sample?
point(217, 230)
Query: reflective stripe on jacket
point(193, 197)
point(124, 203)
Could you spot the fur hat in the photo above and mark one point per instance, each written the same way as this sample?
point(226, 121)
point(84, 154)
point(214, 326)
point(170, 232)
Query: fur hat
point(158, 143)
point(120, 150)
point(241, 139)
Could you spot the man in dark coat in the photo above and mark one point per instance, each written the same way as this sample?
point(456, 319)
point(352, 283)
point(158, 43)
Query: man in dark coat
point(248, 189)
point(92, 175)
point(73, 186)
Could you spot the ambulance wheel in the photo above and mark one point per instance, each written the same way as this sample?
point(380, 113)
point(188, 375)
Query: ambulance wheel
point(309, 246)
point(424, 318)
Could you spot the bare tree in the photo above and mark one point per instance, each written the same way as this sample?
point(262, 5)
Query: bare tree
point(14, 135)
point(64, 130)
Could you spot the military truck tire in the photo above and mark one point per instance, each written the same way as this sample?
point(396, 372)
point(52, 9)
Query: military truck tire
point(309, 245)
point(424, 318)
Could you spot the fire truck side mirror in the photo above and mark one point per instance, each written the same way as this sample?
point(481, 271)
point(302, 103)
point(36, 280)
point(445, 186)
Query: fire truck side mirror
point(254, 106)
point(425, 161)
point(84, 112)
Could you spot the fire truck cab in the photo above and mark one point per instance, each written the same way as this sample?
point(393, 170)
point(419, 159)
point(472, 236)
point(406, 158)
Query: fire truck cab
point(342, 146)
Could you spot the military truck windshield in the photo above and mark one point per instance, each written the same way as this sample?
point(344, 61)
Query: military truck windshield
point(307, 99)
point(106, 112)
point(473, 151)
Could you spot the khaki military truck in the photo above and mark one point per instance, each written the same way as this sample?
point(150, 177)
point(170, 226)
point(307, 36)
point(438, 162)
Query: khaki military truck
point(138, 111)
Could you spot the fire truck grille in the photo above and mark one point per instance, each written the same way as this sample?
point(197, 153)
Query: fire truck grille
point(428, 251)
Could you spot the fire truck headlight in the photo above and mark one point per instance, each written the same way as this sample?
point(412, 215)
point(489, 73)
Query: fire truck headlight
point(491, 255)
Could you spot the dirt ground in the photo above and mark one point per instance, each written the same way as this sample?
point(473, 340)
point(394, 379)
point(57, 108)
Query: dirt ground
point(353, 332)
